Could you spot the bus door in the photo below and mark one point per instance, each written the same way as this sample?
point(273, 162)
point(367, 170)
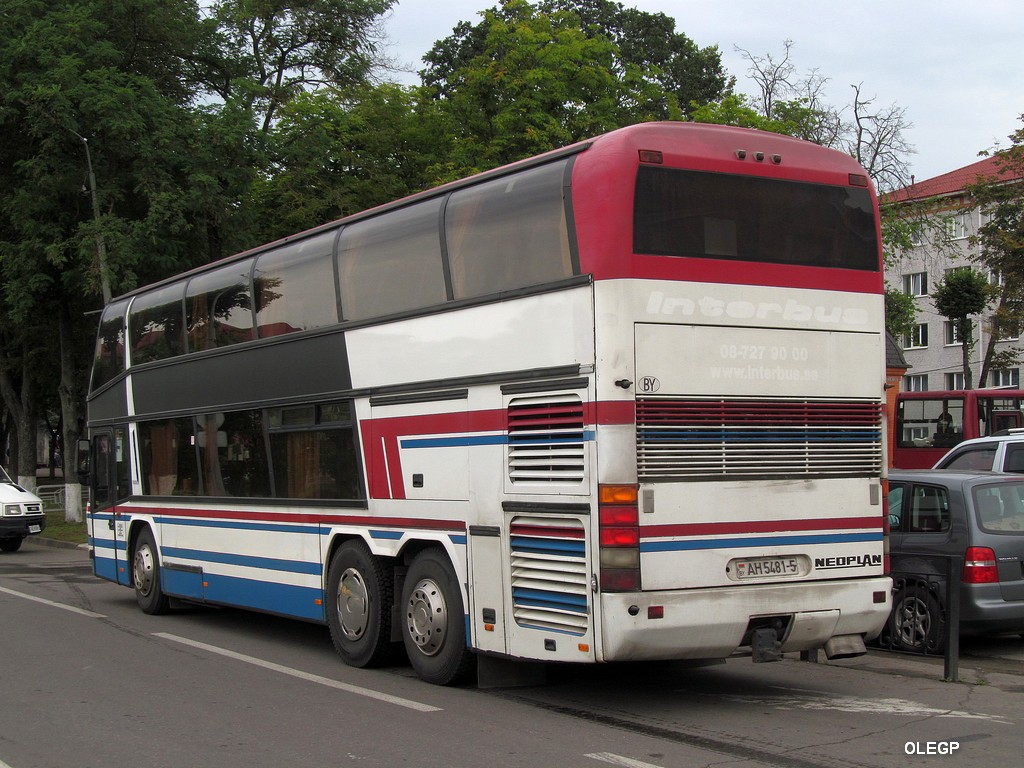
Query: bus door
point(109, 465)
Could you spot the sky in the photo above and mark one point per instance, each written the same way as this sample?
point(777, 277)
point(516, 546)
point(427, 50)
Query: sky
point(956, 67)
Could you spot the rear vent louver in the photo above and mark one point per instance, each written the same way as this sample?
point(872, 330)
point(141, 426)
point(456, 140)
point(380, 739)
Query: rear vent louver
point(549, 574)
point(546, 439)
point(717, 439)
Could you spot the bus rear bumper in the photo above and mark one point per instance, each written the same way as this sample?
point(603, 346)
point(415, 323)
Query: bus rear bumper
point(716, 623)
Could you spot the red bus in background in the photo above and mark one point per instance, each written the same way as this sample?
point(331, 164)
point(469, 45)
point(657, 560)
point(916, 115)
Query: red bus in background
point(928, 424)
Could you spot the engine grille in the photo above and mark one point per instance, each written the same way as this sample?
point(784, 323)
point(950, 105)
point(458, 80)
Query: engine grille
point(718, 439)
point(549, 574)
point(546, 440)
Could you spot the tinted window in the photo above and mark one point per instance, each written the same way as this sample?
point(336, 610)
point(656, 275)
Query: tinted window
point(508, 233)
point(218, 307)
point(721, 216)
point(155, 323)
point(109, 359)
point(895, 499)
point(232, 454)
point(926, 510)
point(392, 263)
point(313, 452)
point(294, 287)
point(1000, 508)
point(168, 458)
point(1013, 460)
point(980, 457)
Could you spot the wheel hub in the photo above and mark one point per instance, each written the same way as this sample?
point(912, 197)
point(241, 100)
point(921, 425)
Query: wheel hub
point(145, 566)
point(427, 617)
point(353, 604)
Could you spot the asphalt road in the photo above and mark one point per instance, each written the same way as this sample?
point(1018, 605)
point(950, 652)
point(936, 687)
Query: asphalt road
point(86, 679)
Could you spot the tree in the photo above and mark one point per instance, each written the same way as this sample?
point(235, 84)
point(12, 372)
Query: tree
point(274, 51)
point(960, 294)
point(1000, 241)
point(900, 312)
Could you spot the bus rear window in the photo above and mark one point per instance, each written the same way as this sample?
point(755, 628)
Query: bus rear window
point(746, 218)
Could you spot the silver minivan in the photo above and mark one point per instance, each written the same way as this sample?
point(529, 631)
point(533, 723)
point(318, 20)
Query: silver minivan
point(21, 514)
point(941, 518)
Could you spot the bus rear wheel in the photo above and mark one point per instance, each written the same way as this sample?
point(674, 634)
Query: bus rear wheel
point(433, 625)
point(360, 594)
point(149, 593)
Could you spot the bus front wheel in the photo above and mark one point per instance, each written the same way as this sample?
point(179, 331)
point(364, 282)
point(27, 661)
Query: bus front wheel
point(433, 620)
point(146, 575)
point(360, 593)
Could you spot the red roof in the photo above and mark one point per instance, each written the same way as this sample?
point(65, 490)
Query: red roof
point(949, 183)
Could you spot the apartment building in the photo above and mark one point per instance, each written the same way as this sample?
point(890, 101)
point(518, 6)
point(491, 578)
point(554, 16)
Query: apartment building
point(933, 349)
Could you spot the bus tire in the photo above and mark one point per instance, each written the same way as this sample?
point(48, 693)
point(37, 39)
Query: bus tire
point(149, 592)
point(433, 620)
point(915, 624)
point(360, 594)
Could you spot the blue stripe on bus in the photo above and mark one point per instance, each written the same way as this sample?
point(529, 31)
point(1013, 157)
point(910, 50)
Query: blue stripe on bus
point(540, 597)
point(556, 546)
point(757, 541)
point(268, 563)
point(283, 599)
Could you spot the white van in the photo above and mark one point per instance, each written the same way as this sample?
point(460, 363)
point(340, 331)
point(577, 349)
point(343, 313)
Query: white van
point(21, 514)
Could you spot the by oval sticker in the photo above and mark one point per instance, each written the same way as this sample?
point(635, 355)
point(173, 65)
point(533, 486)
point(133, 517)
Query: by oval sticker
point(648, 384)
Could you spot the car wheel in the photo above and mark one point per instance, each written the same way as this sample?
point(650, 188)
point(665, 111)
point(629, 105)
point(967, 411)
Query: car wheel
point(149, 593)
point(360, 595)
point(433, 620)
point(916, 623)
point(11, 545)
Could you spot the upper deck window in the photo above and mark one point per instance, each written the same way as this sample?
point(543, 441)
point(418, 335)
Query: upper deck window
point(219, 307)
point(748, 218)
point(294, 287)
point(109, 360)
point(508, 233)
point(156, 324)
point(392, 263)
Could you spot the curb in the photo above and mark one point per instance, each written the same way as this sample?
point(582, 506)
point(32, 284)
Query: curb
point(56, 544)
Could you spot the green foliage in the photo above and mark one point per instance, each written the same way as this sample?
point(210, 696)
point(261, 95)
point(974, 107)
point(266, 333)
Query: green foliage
point(960, 294)
point(900, 312)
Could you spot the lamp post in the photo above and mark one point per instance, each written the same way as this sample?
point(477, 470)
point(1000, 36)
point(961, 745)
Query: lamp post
point(101, 246)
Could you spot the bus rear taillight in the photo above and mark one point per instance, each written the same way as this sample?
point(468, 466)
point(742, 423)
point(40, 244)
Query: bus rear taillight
point(619, 538)
point(980, 566)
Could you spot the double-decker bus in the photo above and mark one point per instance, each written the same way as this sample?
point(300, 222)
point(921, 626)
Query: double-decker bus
point(620, 401)
point(929, 423)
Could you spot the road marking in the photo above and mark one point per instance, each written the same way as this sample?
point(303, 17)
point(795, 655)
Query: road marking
point(625, 762)
point(44, 601)
point(368, 692)
point(881, 706)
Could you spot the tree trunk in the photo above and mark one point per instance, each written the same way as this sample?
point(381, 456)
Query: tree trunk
point(71, 413)
point(966, 330)
point(19, 401)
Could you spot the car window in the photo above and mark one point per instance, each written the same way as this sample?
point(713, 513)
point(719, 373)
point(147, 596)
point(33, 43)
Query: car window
point(1014, 458)
point(928, 510)
point(979, 457)
point(1000, 508)
point(895, 499)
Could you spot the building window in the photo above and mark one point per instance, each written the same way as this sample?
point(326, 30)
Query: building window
point(1006, 377)
point(952, 330)
point(916, 383)
point(915, 284)
point(956, 225)
point(955, 380)
point(917, 338)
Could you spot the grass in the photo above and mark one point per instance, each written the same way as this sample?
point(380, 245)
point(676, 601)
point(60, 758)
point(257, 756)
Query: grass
point(57, 528)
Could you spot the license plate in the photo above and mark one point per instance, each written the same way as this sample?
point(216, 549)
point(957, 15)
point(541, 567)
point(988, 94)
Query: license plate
point(34, 529)
point(759, 567)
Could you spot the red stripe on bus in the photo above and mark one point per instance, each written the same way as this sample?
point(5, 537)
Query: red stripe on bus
point(301, 517)
point(760, 526)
